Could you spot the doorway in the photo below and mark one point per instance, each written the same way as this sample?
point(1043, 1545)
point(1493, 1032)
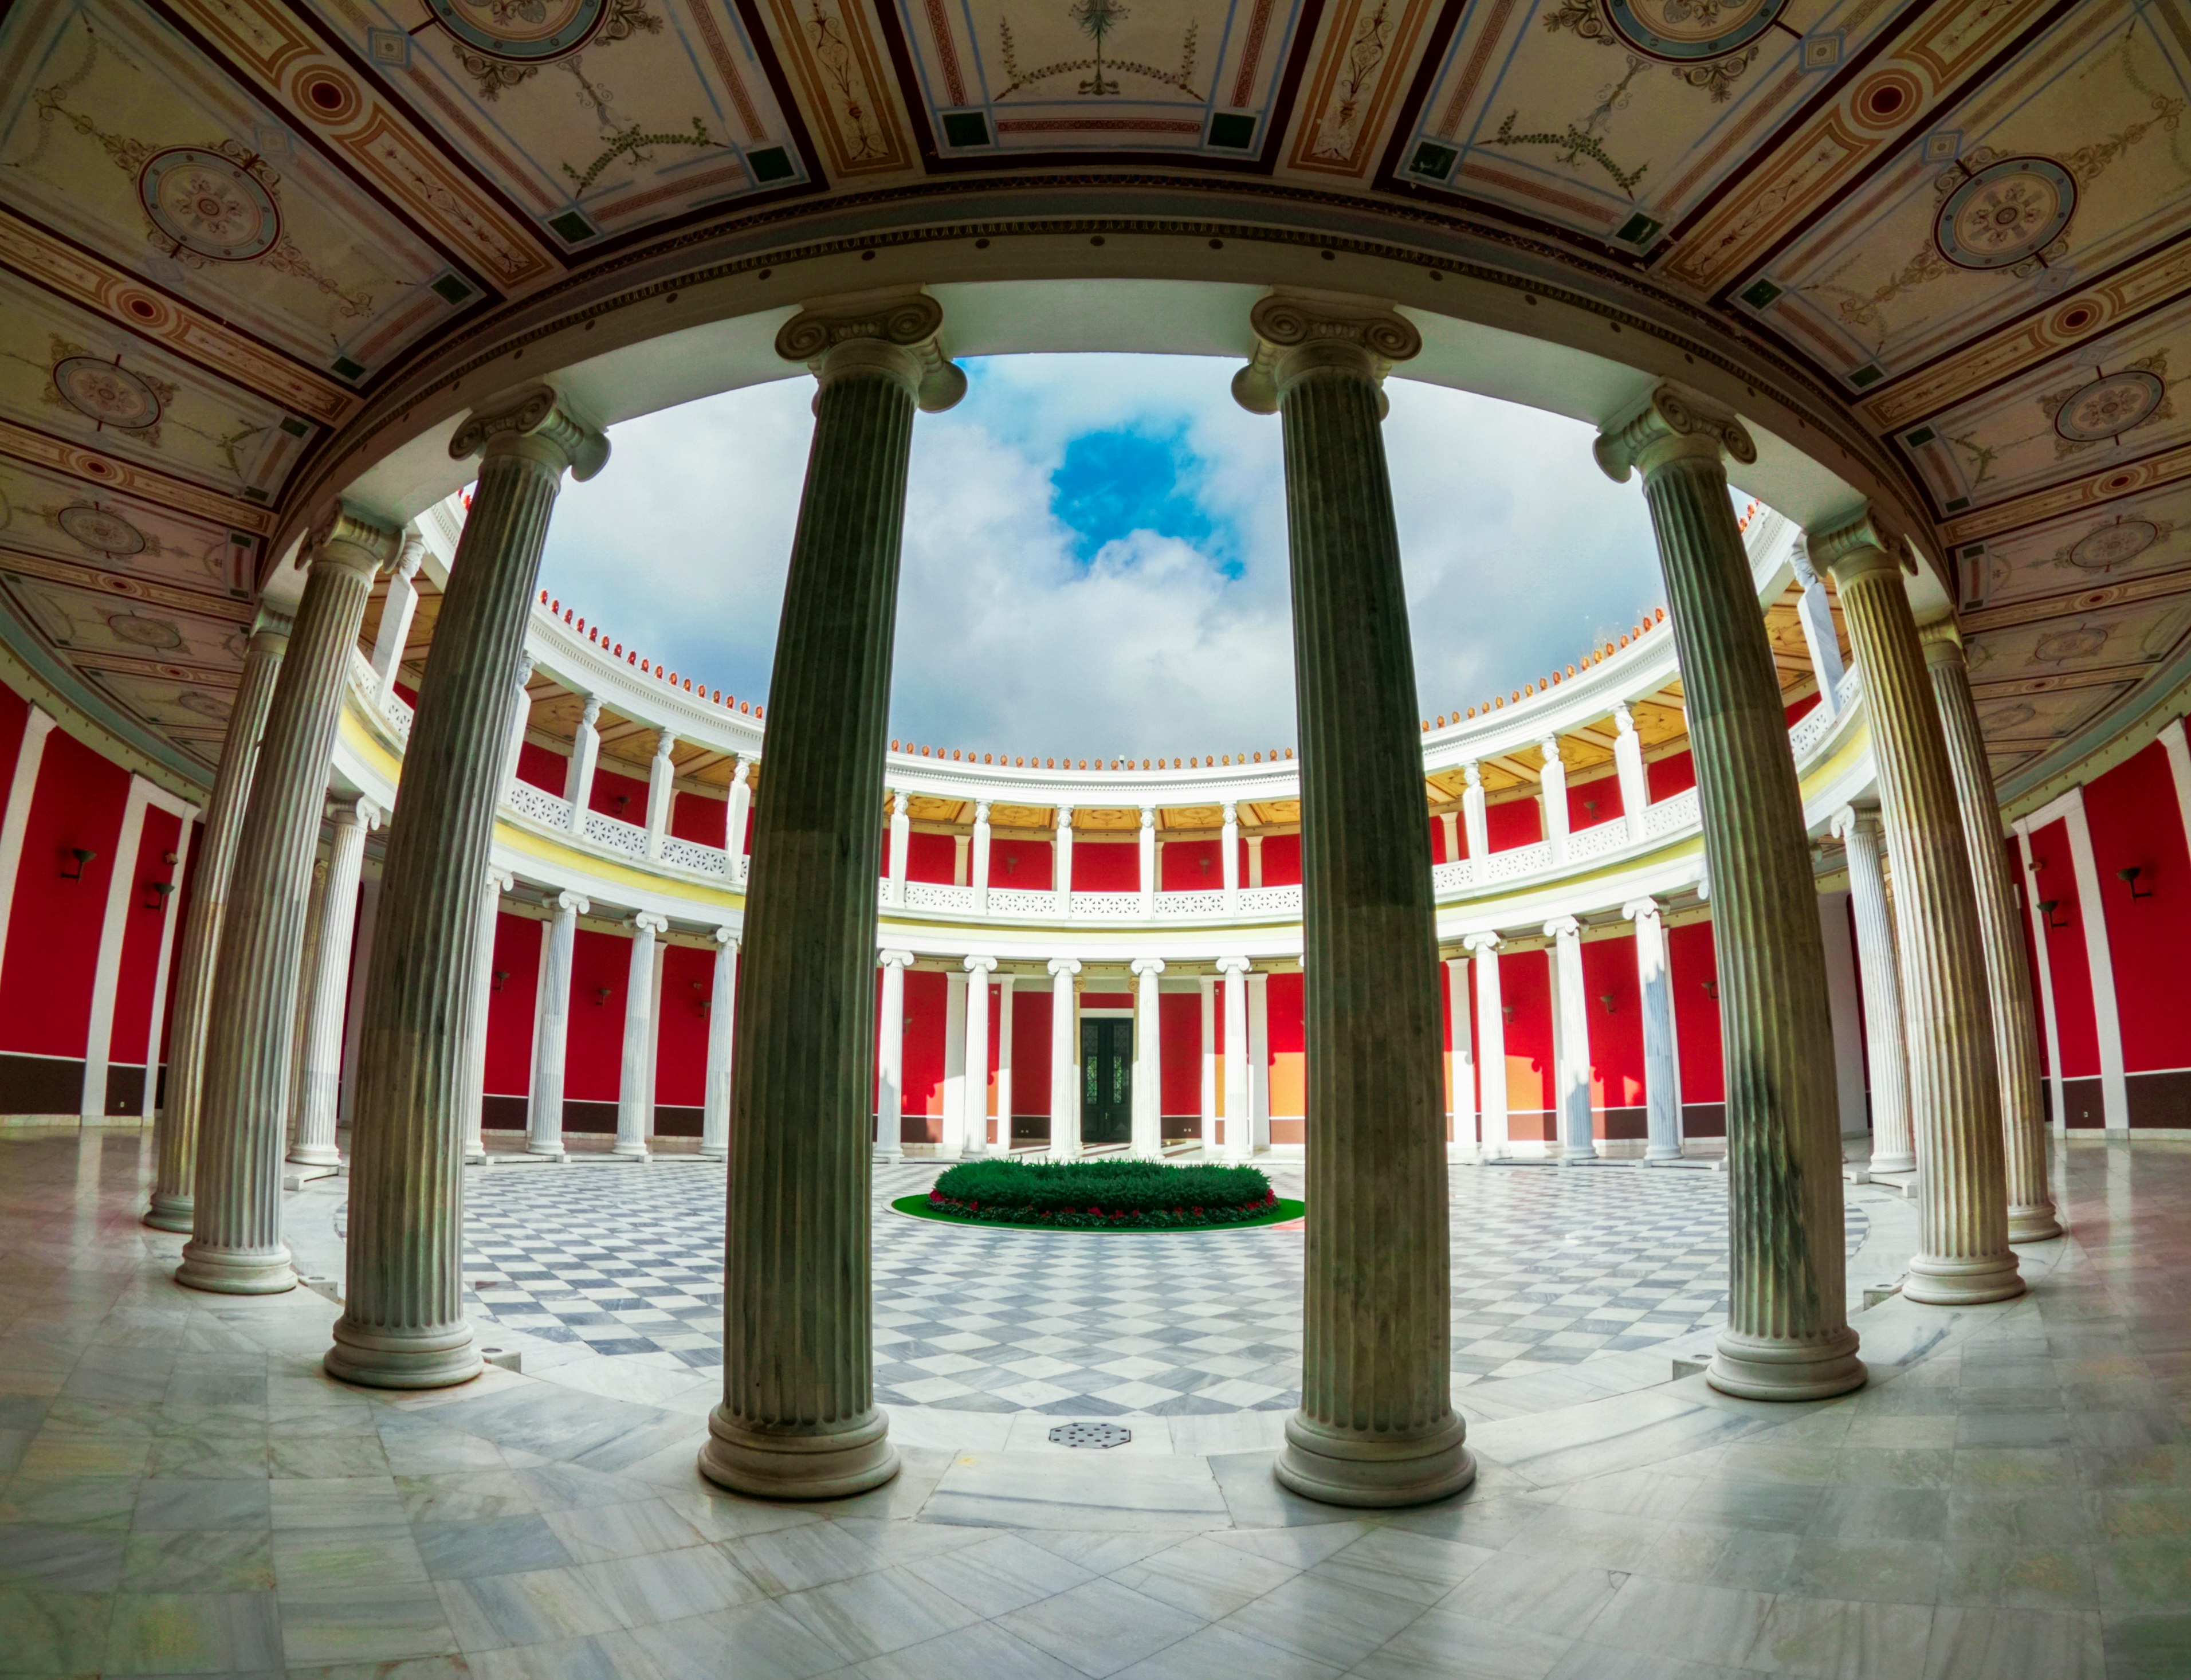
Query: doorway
point(1106, 1080)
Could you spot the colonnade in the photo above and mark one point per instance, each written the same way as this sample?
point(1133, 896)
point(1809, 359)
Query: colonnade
point(1376, 1425)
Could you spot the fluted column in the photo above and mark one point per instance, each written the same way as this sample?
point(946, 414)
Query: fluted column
point(2008, 977)
point(635, 1077)
point(798, 1418)
point(1064, 1061)
point(1886, 1060)
point(403, 1324)
point(1662, 1076)
point(300, 1039)
point(974, 1117)
point(551, 1030)
point(722, 1014)
point(1496, 1143)
point(321, 1086)
point(1236, 1140)
point(236, 1248)
point(1376, 1425)
point(1148, 1059)
point(1815, 613)
point(1954, 1082)
point(889, 1059)
point(1787, 1334)
point(1571, 1056)
point(175, 1134)
point(477, 1009)
point(1628, 766)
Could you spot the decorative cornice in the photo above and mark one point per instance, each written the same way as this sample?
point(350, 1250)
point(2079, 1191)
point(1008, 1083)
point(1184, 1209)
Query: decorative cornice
point(537, 414)
point(1670, 422)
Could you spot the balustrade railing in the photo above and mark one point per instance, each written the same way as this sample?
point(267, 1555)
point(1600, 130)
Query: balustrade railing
point(705, 860)
point(616, 834)
point(536, 803)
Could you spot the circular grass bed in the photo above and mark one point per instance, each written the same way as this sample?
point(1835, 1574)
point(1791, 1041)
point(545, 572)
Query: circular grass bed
point(1107, 1195)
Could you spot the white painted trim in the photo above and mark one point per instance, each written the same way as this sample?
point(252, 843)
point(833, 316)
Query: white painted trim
point(1259, 1060)
point(2047, 1021)
point(150, 1107)
point(2173, 743)
point(113, 930)
point(2099, 959)
point(29, 756)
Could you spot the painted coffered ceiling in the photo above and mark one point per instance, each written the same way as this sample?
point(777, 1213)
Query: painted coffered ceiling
point(1941, 245)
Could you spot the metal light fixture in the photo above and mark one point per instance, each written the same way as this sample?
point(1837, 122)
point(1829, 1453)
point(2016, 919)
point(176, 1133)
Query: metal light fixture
point(2129, 878)
point(1606, 997)
point(83, 855)
point(600, 996)
point(159, 889)
point(500, 975)
point(2047, 908)
point(1711, 989)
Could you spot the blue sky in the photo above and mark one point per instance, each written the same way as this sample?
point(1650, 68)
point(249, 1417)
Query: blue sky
point(1095, 558)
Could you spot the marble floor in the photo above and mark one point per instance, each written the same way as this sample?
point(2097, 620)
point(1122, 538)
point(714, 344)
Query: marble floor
point(185, 1492)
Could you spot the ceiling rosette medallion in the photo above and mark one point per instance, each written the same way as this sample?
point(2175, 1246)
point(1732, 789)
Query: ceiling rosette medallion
point(1707, 44)
point(504, 43)
point(2009, 213)
point(2117, 543)
point(216, 203)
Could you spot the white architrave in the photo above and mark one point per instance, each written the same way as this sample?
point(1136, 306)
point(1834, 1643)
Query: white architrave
point(889, 1081)
point(106, 976)
point(722, 1017)
point(1148, 1056)
point(975, 1125)
point(1064, 1055)
point(1490, 1046)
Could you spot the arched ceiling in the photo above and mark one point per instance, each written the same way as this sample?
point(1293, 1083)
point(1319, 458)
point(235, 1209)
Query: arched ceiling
point(253, 253)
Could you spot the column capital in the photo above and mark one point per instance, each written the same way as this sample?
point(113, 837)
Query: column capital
point(1807, 574)
point(650, 921)
point(412, 554)
point(338, 537)
point(1299, 332)
point(1148, 816)
point(1942, 639)
point(1232, 813)
point(1234, 965)
point(1480, 942)
point(744, 770)
point(979, 964)
point(359, 810)
point(536, 421)
point(1668, 424)
point(1064, 967)
point(1472, 773)
point(524, 670)
point(1550, 747)
point(727, 937)
point(665, 739)
point(894, 799)
point(1641, 909)
point(1851, 817)
point(1624, 721)
point(1852, 547)
point(980, 810)
point(893, 332)
point(592, 714)
point(1562, 927)
point(500, 880)
point(573, 903)
point(270, 629)
point(1148, 966)
point(895, 959)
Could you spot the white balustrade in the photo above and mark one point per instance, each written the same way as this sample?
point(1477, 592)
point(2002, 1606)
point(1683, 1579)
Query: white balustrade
point(538, 803)
point(1018, 900)
point(1458, 876)
point(939, 896)
point(1516, 862)
point(616, 834)
point(705, 860)
point(1672, 815)
point(1600, 839)
point(1190, 903)
point(1270, 901)
point(1108, 906)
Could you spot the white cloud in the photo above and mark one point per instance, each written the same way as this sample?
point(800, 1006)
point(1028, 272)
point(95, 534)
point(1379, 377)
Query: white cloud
point(1518, 554)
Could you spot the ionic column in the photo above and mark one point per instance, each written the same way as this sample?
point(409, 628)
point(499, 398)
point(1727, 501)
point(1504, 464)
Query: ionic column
point(1063, 883)
point(977, 1107)
point(1005, 991)
point(300, 1039)
point(1490, 1045)
point(1787, 1334)
point(1236, 1140)
point(635, 1080)
point(1474, 813)
point(1954, 1082)
point(1553, 792)
point(722, 1012)
point(585, 758)
point(1149, 860)
point(1460, 1057)
point(1064, 1059)
point(237, 1247)
point(397, 608)
point(1815, 613)
point(1886, 1059)
point(798, 1418)
point(1206, 984)
point(1376, 1425)
point(2008, 977)
point(177, 872)
point(901, 843)
point(477, 1009)
point(1628, 766)
point(661, 791)
point(321, 1086)
point(953, 1144)
point(1571, 1054)
point(1230, 862)
point(403, 1321)
point(1662, 1065)
point(734, 818)
point(175, 1137)
point(1148, 1060)
point(551, 1032)
point(889, 1059)
point(980, 872)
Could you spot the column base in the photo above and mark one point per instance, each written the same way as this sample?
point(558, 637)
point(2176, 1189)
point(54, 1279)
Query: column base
point(1767, 1368)
point(1893, 1164)
point(631, 1151)
point(222, 1271)
point(2036, 1224)
point(716, 1152)
point(546, 1152)
point(1935, 1280)
point(475, 1158)
point(315, 1155)
point(831, 1463)
point(170, 1213)
point(1656, 1156)
point(1359, 1471)
point(435, 1357)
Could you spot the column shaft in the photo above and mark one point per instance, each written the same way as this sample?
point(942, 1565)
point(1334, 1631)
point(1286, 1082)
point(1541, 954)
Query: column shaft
point(1572, 1056)
point(1148, 1060)
point(1006, 989)
point(890, 1068)
point(722, 1017)
point(320, 1085)
point(551, 1032)
point(1235, 971)
point(1064, 1061)
point(635, 1077)
point(1886, 1059)
point(1207, 985)
point(1662, 1078)
point(1490, 1047)
point(236, 1247)
point(976, 1086)
point(1460, 1057)
point(175, 1137)
point(478, 1008)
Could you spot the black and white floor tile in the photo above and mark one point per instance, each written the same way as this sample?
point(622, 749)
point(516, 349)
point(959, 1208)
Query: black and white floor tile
point(1550, 1267)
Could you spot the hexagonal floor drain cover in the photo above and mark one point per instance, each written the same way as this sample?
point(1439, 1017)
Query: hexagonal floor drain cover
point(1090, 1435)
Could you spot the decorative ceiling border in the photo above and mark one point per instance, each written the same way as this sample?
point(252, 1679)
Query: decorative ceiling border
point(40, 449)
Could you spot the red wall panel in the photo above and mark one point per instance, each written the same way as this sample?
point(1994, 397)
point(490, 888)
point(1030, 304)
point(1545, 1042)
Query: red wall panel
point(701, 818)
point(53, 930)
point(1692, 963)
point(1601, 791)
point(1027, 865)
point(141, 927)
point(2075, 1024)
point(1675, 773)
point(610, 786)
point(1289, 1069)
point(928, 857)
point(1106, 866)
point(926, 1007)
point(1616, 1035)
point(2136, 823)
point(1179, 1030)
point(592, 1060)
point(1191, 866)
point(681, 1053)
point(1513, 822)
point(1030, 1050)
point(542, 769)
point(512, 1004)
point(1525, 988)
point(1282, 861)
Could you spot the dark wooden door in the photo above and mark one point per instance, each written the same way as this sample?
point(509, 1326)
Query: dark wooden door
point(1107, 1081)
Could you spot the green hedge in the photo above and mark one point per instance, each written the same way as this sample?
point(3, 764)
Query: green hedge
point(1089, 1194)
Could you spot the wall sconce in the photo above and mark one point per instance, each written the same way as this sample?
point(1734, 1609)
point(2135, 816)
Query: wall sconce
point(1590, 809)
point(621, 800)
point(160, 890)
point(82, 857)
point(2129, 878)
point(600, 996)
point(1506, 1011)
point(1606, 997)
point(1711, 989)
point(500, 975)
point(2047, 908)
point(1012, 862)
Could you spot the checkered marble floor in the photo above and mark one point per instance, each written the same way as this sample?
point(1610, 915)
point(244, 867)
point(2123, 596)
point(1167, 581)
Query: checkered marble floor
point(1551, 1265)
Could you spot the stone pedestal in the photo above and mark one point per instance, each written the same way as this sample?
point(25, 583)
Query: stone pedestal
point(1376, 1425)
point(236, 1248)
point(1788, 1336)
point(1963, 1254)
point(403, 1321)
point(175, 1136)
point(2031, 1217)
point(321, 1086)
point(798, 1418)
point(1886, 1058)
